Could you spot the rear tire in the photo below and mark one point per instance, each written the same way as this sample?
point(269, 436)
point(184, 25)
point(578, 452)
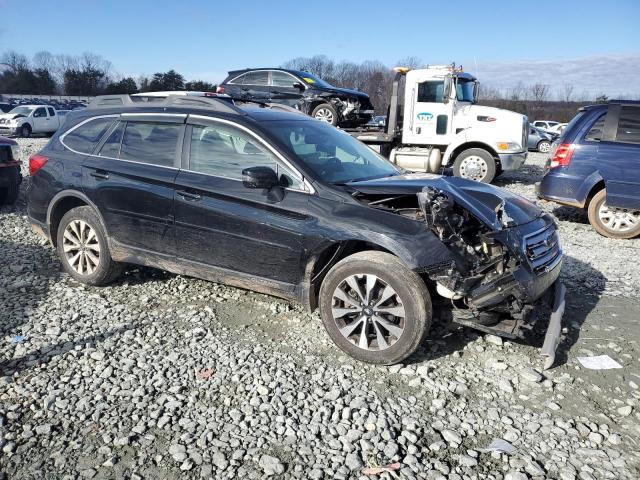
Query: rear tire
point(83, 248)
point(621, 223)
point(325, 112)
point(25, 131)
point(391, 303)
point(9, 194)
point(475, 164)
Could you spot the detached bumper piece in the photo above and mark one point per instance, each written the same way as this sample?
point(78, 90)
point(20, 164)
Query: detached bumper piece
point(512, 327)
point(552, 338)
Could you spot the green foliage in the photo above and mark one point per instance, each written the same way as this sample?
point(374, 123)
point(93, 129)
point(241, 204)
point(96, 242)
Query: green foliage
point(125, 86)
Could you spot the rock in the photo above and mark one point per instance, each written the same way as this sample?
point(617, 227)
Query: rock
point(595, 438)
point(219, 460)
point(451, 436)
point(625, 410)
point(271, 465)
point(353, 462)
point(530, 375)
point(553, 406)
point(493, 339)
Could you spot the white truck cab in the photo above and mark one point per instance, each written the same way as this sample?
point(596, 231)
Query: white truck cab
point(441, 126)
point(25, 120)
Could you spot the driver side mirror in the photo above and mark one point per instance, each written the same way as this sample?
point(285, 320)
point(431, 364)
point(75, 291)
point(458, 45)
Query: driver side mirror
point(448, 85)
point(299, 86)
point(260, 177)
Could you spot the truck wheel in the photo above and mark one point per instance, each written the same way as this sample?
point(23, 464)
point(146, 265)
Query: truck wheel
point(613, 222)
point(326, 112)
point(375, 308)
point(83, 248)
point(25, 131)
point(544, 146)
point(9, 194)
point(475, 164)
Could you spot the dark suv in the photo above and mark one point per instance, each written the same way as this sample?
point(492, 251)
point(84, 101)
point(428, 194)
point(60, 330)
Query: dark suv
point(301, 90)
point(277, 202)
point(596, 166)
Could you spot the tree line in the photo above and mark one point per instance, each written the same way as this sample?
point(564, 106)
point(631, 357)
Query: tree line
point(90, 74)
point(85, 75)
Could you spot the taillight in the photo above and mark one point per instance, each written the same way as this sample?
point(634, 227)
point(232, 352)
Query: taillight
point(36, 162)
point(562, 155)
point(220, 89)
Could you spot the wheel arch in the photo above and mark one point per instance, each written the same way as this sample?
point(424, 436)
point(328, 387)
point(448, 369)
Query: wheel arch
point(60, 204)
point(452, 152)
point(591, 185)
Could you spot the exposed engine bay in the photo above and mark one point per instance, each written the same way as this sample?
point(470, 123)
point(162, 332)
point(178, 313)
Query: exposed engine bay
point(491, 278)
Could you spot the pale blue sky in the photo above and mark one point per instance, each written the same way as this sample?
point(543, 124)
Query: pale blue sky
point(205, 39)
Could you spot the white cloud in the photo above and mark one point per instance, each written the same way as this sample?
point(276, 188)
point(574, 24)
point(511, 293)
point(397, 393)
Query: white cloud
point(614, 75)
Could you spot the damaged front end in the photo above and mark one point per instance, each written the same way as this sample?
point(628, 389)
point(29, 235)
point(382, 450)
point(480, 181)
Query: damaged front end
point(503, 270)
point(506, 256)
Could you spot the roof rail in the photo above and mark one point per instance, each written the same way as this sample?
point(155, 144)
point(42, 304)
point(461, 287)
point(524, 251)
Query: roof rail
point(210, 103)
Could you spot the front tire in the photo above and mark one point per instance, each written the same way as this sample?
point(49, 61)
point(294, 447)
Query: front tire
point(83, 248)
point(25, 131)
point(475, 164)
point(375, 308)
point(612, 222)
point(325, 112)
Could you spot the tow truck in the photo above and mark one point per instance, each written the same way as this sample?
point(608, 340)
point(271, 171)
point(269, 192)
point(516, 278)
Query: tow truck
point(437, 125)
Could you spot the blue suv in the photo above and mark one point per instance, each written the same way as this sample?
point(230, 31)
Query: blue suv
point(596, 166)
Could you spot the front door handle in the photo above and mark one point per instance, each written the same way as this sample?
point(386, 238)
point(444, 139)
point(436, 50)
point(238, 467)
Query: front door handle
point(189, 195)
point(100, 175)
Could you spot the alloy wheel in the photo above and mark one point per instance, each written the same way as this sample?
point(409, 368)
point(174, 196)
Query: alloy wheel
point(618, 220)
point(324, 115)
point(544, 147)
point(474, 167)
point(81, 247)
point(368, 312)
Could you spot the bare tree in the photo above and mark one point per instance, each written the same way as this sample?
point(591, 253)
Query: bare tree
point(410, 62)
point(15, 60)
point(540, 92)
point(568, 92)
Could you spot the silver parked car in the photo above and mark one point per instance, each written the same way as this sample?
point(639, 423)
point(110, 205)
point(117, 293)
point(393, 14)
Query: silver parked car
point(539, 140)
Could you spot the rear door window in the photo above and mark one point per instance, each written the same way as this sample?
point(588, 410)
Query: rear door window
point(52, 112)
point(629, 125)
point(150, 142)
point(86, 137)
point(256, 78)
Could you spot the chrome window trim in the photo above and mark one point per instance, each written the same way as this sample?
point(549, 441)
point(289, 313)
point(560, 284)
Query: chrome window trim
point(253, 84)
point(64, 135)
point(116, 116)
point(311, 190)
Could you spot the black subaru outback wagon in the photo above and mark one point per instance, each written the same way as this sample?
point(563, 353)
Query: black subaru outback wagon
point(279, 203)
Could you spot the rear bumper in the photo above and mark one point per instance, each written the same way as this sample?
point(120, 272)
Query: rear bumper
point(512, 161)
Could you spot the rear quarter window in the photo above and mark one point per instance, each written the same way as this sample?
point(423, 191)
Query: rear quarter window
point(86, 136)
point(629, 125)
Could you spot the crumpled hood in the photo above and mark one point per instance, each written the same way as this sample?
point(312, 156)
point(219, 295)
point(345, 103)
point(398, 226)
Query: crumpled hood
point(494, 206)
point(344, 91)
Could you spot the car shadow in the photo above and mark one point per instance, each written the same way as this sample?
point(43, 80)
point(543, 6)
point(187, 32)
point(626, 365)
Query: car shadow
point(525, 175)
point(584, 285)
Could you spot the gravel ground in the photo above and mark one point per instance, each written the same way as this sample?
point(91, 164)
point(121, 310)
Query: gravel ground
point(161, 376)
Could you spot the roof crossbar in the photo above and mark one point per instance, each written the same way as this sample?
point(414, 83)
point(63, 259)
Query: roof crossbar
point(210, 103)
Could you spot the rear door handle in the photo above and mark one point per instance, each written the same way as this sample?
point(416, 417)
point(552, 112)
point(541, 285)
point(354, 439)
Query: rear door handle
point(100, 175)
point(188, 195)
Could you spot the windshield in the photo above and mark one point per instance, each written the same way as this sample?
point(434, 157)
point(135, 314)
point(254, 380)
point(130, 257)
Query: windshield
point(313, 80)
point(26, 111)
point(465, 91)
point(335, 156)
